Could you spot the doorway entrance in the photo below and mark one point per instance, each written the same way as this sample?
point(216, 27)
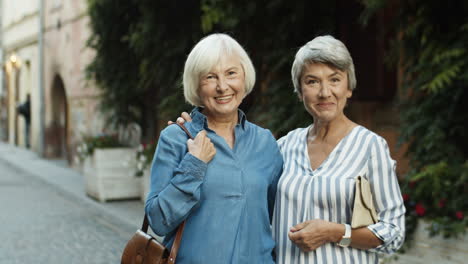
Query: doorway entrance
point(58, 129)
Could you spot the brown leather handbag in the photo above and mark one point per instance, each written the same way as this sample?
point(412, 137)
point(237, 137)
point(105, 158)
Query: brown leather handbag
point(143, 248)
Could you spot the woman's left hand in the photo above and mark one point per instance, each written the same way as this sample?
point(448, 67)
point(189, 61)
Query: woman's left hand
point(312, 234)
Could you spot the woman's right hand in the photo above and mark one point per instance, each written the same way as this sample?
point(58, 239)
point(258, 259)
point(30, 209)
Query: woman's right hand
point(201, 147)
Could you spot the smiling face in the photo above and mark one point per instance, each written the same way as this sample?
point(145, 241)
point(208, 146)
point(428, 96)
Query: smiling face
point(222, 89)
point(324, 91)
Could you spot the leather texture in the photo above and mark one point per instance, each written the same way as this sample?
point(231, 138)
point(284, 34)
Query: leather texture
point(364, 213)
point(143, 248)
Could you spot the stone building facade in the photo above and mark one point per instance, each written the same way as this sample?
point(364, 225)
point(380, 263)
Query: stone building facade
point(20, 26)
point(63, 107)
point(69, 97)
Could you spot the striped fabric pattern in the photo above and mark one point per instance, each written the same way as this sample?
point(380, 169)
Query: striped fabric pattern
point(328, 193)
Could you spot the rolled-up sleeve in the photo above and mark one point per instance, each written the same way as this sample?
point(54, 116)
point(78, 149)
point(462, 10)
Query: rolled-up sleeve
point(387, 197)
point(176, 180)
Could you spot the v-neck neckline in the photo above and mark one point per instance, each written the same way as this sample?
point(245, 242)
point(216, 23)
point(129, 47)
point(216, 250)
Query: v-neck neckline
point(332, 153)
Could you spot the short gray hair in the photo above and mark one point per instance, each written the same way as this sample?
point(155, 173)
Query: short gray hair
point(205, 55)
point(327, 50)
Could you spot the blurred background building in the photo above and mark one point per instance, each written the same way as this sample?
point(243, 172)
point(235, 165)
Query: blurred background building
point(44, 55)
point(410, 59)
point(43, 46)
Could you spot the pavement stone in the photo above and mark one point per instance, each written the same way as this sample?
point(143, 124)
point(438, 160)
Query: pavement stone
point(46, 216)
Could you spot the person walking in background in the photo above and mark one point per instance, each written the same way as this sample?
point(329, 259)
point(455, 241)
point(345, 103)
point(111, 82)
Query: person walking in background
point(24, 109)
point(314, 201)
point(223, 183)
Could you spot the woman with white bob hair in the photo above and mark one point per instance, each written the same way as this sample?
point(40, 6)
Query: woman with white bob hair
point(315, 197)
point(223, 183)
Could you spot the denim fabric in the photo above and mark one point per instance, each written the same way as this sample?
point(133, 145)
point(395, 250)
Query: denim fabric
point(228, 203)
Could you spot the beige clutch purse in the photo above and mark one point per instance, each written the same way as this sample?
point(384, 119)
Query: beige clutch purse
point(363, 211)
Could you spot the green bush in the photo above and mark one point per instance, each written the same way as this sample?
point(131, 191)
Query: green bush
point(90, 143)
point(431, 48)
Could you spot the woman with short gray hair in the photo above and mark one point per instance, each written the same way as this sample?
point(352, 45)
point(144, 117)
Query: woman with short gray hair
point(327, 50)
point(314, 201)
point(222, 183)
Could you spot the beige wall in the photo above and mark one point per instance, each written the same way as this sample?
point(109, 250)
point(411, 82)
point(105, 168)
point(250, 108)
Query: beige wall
point(66, 56)
point(20, 26)
point(16, 10)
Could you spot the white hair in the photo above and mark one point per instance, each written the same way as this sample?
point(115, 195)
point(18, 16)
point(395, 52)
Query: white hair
point(327, 50)
point(204, 57)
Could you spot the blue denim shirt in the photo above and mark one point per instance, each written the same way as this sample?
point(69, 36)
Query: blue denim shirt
point(227, 203)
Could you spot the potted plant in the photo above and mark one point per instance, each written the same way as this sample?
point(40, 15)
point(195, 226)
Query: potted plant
point(107, 175)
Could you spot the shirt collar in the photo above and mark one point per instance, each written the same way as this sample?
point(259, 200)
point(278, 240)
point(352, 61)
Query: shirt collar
point(199, 120)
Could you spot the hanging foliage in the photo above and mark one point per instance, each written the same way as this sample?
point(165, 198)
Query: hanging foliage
point(115, 68)
point(140, 52)
point(432, 49)
point(141, 47)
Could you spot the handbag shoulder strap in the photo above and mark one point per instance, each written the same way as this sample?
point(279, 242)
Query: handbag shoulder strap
point(175, 245)
point(185, 130)
point(180, 229)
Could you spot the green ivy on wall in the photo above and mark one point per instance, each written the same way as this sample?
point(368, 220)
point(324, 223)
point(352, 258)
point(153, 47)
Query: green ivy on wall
point(141, 47)
point(432, 52)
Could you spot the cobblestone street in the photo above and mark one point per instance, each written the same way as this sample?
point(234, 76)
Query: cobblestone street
point(42, 224)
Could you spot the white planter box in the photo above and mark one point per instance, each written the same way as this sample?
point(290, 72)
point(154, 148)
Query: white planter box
point(436, 249)
point(145, 185)
point(107, 176)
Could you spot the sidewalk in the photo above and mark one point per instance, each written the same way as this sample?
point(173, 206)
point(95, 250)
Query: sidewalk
point(70, 182)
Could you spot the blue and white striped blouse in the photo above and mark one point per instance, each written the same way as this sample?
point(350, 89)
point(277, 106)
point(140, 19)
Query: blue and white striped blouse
point(328, 193)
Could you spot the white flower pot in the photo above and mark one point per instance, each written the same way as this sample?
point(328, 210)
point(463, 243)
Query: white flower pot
point(108, 177)
point(145, 185)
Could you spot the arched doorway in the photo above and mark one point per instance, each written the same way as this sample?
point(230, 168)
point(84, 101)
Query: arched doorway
point(58, 129)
